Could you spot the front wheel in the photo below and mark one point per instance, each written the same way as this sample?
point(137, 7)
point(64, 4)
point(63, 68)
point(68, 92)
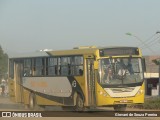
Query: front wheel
point(79, 104)
point(120, 107)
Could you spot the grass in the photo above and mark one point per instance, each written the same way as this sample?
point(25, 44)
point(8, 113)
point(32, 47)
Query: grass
point(150, 103)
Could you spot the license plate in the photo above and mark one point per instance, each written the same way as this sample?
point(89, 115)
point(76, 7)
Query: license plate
point(123, 101)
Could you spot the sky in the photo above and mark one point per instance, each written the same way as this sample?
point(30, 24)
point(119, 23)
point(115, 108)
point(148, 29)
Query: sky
point(32, 25)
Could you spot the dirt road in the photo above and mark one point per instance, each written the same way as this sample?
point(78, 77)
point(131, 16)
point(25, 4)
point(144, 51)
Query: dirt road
point(7, 105)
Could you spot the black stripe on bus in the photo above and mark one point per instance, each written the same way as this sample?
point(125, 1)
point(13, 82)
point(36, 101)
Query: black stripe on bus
point(121, 85)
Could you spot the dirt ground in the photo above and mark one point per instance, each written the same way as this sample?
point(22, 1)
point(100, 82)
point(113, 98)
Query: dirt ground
point(7, 105)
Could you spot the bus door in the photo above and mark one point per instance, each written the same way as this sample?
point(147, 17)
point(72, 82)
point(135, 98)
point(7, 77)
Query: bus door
point(90, 81)
point(18, 68)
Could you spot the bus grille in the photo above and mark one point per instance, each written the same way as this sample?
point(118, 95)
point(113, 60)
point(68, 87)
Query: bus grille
point(119, 90)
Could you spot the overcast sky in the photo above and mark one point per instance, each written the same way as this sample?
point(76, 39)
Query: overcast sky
point(31, 25)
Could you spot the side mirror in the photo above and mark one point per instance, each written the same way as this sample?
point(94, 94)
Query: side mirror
point(144, 64)
point(96, 65)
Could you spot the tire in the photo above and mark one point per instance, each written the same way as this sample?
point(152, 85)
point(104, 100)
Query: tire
point(79, 104)
point(32, 101)
point(120, 107)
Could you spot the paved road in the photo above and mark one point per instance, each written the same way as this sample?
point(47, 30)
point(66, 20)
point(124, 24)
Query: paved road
point(7, 105)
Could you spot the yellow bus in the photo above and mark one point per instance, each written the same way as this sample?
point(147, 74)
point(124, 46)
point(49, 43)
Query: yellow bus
point(80, 78)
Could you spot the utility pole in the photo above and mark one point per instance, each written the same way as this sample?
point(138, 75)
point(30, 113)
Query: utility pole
point(158, 61)
point(159, 78)
point(142, 42)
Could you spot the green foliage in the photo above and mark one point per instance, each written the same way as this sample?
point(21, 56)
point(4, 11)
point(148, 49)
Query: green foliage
point(151, 103)
point(3, 64)
point(156, 61)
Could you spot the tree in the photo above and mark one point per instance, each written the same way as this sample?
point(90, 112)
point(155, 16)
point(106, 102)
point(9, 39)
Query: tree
point(156, 61)
point(3, 64)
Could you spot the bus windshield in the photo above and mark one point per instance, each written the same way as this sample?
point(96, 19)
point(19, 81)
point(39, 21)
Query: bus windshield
point(120, 71)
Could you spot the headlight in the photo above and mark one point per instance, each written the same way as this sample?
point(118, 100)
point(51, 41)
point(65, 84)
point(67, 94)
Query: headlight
point(140, 92)
point(100, 92)
point(103, 93)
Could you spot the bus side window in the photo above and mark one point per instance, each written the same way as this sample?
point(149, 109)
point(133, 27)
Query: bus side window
point(59, 66)
point(65, 66)
point(38, 66)
point(69, 69)
point(80, 72)
point(43, 66)
point(79, 65)
point(46, 67)
point(59, 70)
point(52, 66)
point(11, 68)
point(56, 69)
point(27, 67)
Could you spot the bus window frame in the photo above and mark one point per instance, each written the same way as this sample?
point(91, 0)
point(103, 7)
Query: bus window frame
point(46, 66)
point(11, 68)
point(129, 85)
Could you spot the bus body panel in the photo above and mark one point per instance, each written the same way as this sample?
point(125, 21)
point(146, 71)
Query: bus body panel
point(54, 86)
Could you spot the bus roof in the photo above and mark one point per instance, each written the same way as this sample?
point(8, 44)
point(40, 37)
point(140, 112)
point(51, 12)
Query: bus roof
point(72, 52)
point(82, 50)
point(75, 51)
point(31, 54)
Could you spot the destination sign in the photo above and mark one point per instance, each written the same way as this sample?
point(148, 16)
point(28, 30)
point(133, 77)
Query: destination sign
point(119, 51)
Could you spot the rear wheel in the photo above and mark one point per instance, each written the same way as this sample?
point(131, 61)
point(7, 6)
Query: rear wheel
point(120, 107)
point(32, 101)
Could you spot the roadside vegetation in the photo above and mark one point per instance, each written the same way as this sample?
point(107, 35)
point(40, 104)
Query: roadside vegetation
point(150, 103)
point(3, 64)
